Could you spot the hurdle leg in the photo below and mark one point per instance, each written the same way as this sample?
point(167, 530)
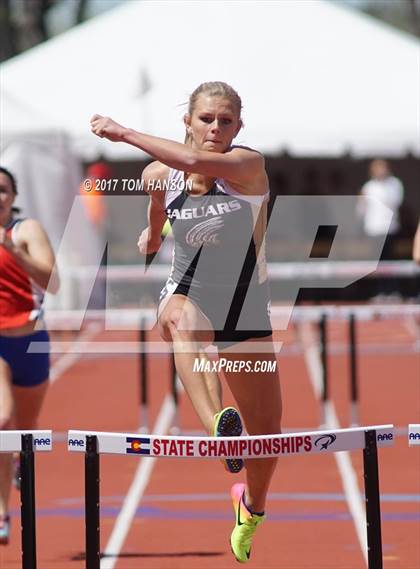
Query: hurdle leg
point(372, 501)
point(92, 520)
point(27, 503)
point(354, 395)
point(324, 366)
point(175, 428)
point(144, 426)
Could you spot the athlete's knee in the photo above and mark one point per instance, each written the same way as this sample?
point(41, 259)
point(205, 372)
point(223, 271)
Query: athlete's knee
point(6, 412)
point(177, 321)
point(6, 421)
point(167, 319)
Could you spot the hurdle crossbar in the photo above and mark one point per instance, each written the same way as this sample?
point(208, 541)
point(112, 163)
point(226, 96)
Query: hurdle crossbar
point(414, 434)
point(129, 318)
point(284, 270)
point(258, 446)
point(262, 446)
point(26, 443)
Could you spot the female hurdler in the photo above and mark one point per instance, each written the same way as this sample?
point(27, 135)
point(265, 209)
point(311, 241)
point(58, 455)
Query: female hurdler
point(217, 291)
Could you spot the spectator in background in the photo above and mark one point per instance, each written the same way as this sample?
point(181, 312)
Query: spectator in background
point(93, 195)
point(95, 202)
point(387, 189)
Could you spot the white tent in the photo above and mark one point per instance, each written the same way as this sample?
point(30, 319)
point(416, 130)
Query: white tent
point(315, 77)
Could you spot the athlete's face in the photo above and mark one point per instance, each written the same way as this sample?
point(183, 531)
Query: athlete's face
point(7, 197)
point(213, 124)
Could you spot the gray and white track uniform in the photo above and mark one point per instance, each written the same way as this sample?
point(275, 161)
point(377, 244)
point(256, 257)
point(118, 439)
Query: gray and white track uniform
point(219, 258)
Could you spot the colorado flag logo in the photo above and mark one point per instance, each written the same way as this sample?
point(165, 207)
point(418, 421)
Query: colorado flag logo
point(137, 445)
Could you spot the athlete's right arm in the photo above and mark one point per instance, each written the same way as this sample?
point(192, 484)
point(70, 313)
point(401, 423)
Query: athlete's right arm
point(153, 177)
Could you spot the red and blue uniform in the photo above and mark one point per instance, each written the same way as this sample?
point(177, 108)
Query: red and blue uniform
point(20, 303)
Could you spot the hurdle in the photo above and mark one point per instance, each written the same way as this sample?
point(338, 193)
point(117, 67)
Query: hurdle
point(26, 442)
point(413, 435)
point(351, 314)
point(143, 384)
point(321, 316)
point(368, 439)
point(138, 319)
point(144, 425)
point(353, 374)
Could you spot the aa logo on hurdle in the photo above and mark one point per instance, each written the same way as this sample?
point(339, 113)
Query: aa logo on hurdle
point(413, 435)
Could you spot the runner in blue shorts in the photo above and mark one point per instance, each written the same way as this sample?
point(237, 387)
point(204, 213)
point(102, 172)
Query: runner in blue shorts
point(26, 270)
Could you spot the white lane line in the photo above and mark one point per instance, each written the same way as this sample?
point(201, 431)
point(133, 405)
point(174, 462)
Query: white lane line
point(412, 325)
point(343, 459)
point(67, 360)
point(137, 489)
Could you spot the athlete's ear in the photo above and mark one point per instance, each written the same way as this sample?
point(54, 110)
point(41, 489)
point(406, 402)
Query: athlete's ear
point(240, 125)
point(187, 121)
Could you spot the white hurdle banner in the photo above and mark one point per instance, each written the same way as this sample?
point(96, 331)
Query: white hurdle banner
point(11, 441)
point(414, 435)
point(261, 446)
point(93, 444)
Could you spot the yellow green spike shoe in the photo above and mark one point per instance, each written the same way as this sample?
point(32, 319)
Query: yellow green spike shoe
point(245, 525)
point(228, 423)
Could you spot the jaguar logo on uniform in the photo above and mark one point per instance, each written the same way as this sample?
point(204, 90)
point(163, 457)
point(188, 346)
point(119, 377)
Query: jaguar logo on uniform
point(325, 441)
point(205, 233)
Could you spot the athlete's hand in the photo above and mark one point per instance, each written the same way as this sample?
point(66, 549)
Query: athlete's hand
point(147, 245)
point(104, 127)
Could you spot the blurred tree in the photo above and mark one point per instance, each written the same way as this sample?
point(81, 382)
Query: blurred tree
point(22, 25)
point(7, 32)
point(415, 11)
point(81, 11)
point(23, 22)
point(402, 14)
point(29, 19)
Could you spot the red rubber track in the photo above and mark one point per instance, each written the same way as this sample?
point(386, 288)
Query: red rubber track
point(101, 393)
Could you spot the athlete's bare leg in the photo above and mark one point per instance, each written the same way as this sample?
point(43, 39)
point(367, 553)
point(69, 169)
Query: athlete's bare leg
point(28, 403)
point(213, 383)
point(259, 401)
point(183, 324)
